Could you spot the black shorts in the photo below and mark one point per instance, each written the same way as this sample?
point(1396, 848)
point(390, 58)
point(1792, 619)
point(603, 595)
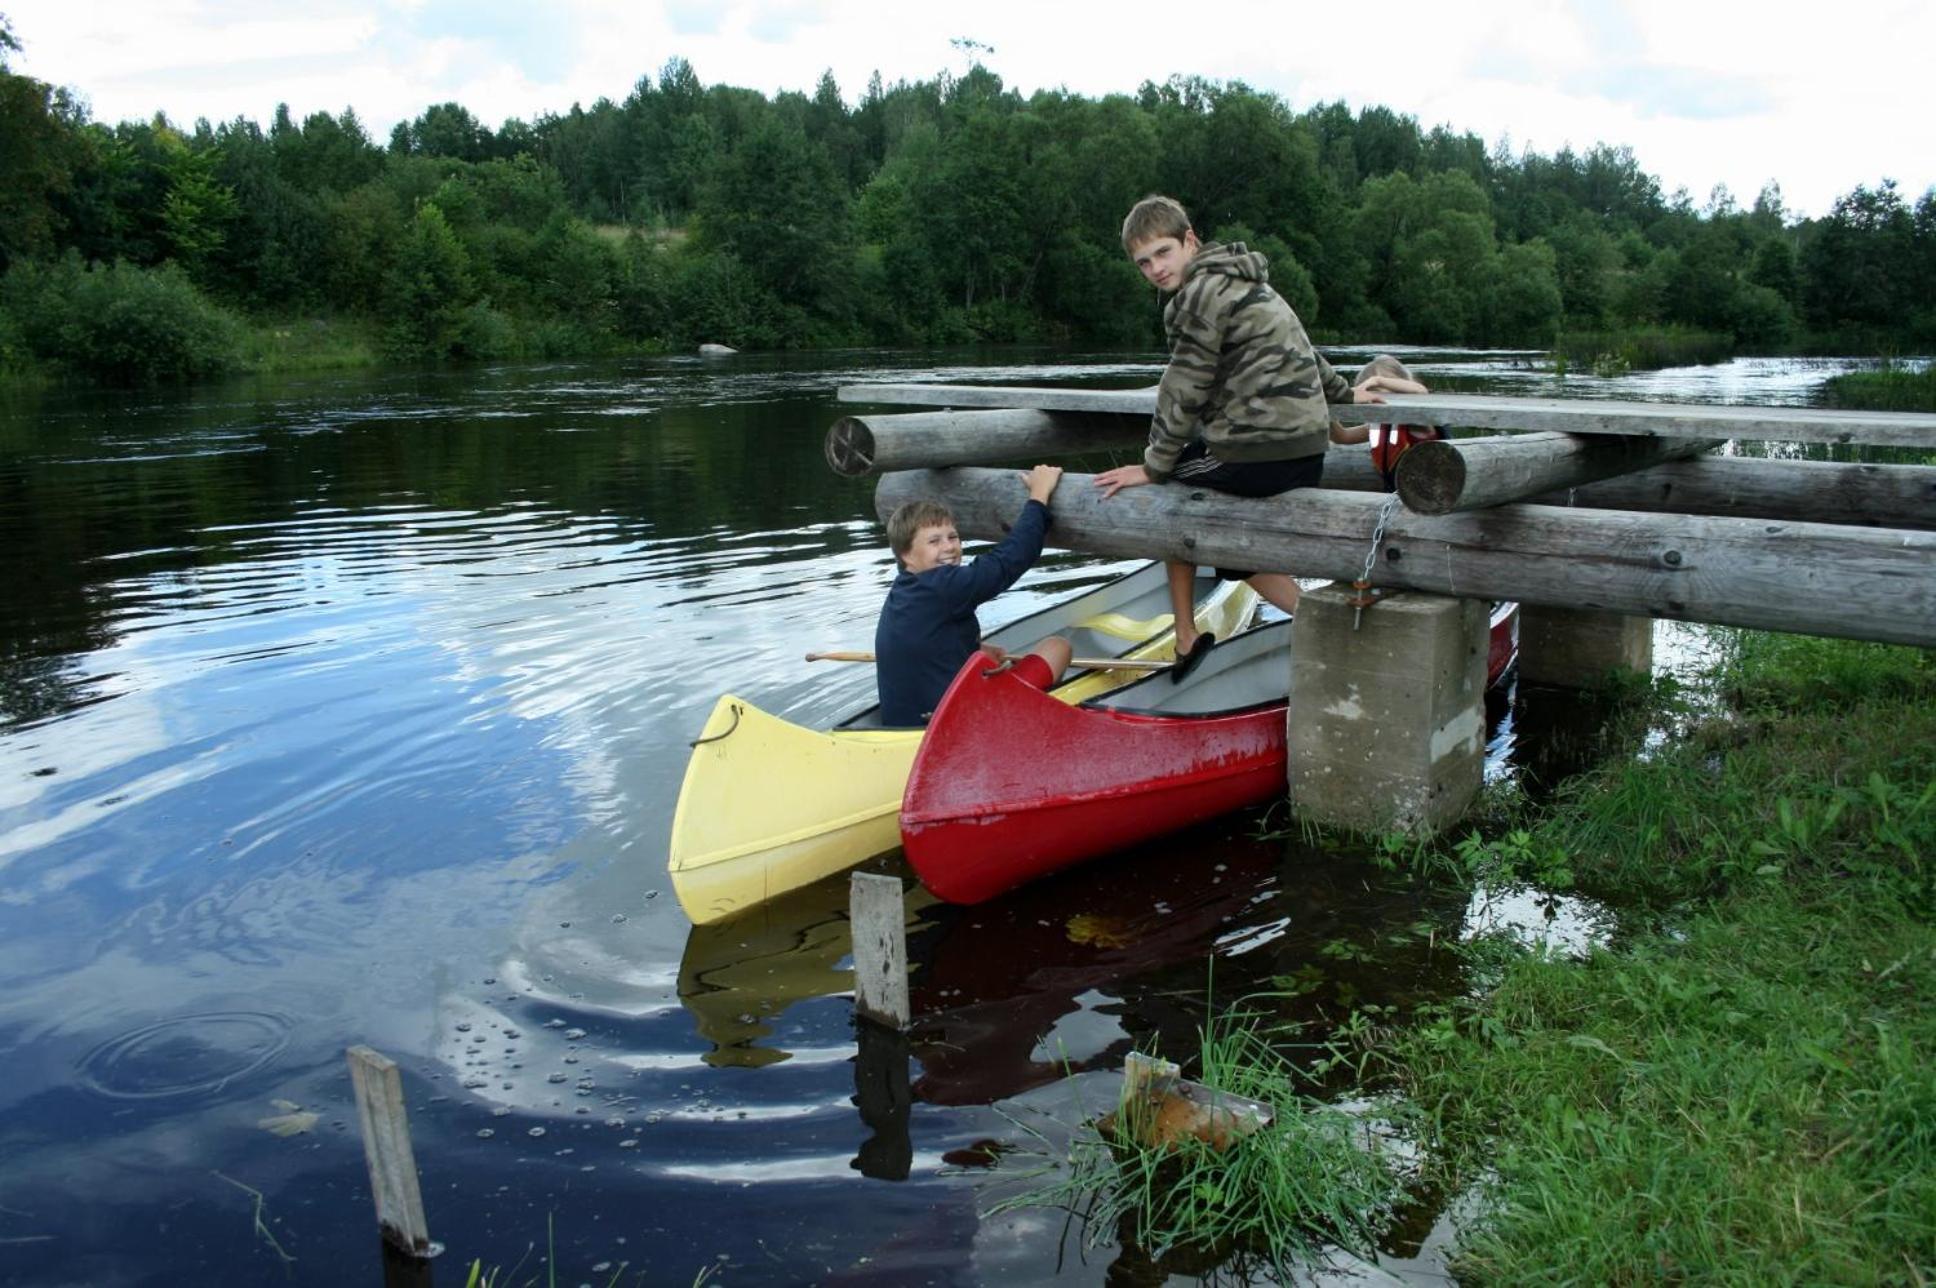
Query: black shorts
point(1196, 467)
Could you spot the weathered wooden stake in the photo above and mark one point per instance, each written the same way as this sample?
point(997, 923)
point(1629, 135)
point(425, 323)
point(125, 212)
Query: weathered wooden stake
point(386, 1148)
point(878, 919)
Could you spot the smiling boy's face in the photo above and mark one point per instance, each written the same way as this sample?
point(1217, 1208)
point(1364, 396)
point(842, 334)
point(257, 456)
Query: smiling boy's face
point(933, 545)
point(1161, 259)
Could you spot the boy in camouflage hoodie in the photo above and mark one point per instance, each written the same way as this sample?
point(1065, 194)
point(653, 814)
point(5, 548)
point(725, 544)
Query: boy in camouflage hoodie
point(1242, 406)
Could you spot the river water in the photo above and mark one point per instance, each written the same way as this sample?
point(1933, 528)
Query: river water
point(352, 709)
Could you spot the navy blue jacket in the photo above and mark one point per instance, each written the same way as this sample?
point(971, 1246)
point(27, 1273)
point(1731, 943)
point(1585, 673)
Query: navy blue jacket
point(928, 627)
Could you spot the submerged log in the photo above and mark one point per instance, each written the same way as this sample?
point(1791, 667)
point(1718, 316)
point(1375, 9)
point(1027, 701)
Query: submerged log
point(1479, 411)
point(1811, 578)
point(1473, 473)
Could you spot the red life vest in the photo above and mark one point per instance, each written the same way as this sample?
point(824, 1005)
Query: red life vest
point(1389, 442)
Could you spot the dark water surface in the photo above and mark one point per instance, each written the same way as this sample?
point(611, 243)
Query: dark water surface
point(352, 709)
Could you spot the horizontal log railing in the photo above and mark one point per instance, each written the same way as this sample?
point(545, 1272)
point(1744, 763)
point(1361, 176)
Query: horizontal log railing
point(1811, 578)
point(1473, 473)
point(1477, 411)
point(1890, 496)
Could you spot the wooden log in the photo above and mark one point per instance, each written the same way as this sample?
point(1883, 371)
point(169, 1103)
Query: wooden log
point(1810, 578)
point(857, 446)
point(878, 921)
point(386, 1149)
point(1473, 473)
point(1480, 411)
point(1888, 496)
point(1882, 496)
point(861, 445)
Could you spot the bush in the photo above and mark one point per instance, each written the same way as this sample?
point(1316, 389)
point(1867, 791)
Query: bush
point(483, 334)
point(1643, 348)
point(1890, 389)
point(119, 323)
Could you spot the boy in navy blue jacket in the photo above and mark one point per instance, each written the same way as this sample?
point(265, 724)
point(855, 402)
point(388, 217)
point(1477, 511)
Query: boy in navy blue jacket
point(928, 627)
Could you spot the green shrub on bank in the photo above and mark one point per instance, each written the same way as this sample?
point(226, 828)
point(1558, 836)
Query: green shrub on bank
point(1890, 389)
point(119, 323)
point(1610, 353)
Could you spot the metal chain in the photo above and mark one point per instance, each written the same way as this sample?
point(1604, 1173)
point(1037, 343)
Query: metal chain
point(1363, 595)
point(1378, 536)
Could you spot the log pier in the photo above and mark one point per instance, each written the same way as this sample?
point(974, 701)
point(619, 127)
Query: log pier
point(1557, 468)
point(1476, 411)
point(1603, 516)
point(1806, 578)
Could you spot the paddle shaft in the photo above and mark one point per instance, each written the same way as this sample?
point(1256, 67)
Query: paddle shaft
point(1086, 663)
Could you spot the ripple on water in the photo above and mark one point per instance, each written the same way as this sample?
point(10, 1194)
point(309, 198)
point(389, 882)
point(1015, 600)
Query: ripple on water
point(185, 1055)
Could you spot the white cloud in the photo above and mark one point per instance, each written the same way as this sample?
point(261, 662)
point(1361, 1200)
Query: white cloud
point(1704, 93)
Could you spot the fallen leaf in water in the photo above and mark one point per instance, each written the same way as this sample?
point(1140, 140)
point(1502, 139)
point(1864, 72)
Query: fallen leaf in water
point(1102, 931)
point(294, 1120)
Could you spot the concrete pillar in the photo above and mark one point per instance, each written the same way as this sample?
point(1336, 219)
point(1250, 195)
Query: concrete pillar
point(1388, 722)
point(1579, 648)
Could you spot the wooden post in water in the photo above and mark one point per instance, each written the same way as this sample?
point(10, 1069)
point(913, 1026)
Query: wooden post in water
point(878, 918)
point(386, 1148)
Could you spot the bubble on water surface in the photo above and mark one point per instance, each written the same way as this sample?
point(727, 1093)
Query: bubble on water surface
point(185, 1055)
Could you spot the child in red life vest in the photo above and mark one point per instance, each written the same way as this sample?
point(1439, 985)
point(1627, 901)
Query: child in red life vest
point(1386, 374)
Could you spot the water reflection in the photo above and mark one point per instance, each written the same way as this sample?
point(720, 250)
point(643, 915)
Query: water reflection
point(352, 709)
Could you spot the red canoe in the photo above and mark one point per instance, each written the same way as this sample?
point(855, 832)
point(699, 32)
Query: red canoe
point(1011, 785)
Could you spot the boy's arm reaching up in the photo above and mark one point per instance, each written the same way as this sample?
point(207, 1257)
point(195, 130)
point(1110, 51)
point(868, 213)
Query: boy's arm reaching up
point(990, 573)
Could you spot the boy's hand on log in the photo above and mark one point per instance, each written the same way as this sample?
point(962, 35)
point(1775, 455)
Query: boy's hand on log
point(1114, 481)
point(1041, 482)
point(1367, 393)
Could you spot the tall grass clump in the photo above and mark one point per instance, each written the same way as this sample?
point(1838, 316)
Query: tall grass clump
point(1893, 388)
point(1312, 1182)
point(1741, 1089)
point(1610, 353)
point(119, 323)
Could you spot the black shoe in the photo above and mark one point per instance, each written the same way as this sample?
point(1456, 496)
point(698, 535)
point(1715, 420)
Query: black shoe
point(1194, 658)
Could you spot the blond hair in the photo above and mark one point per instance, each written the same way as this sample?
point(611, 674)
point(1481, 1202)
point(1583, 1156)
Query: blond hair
point(910, 517)
point(1385, 365)
point(1153, 217)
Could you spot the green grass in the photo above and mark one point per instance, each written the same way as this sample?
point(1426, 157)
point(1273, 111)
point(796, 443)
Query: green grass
point(1312, 1181)
point(1890, 389)
point(1741, 1090)
point(1612, 353)
point(308, 344)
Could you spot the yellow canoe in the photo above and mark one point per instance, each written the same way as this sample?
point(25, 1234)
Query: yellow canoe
point(768, 806)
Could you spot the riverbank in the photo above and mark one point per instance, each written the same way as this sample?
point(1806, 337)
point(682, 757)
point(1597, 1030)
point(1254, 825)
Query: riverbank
point(1741, 1085)
point(1737, 1084)
point(1890, 389)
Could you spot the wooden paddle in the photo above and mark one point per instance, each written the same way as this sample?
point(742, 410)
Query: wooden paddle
point(1086, 663)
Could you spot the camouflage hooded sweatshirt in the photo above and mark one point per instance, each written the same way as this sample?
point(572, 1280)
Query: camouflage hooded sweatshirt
point(1242, 373)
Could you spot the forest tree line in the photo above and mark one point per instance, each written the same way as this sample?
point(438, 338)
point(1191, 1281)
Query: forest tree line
point(941, 211)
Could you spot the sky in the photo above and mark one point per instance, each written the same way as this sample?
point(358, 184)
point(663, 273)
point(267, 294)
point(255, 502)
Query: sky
point(1816, 98)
